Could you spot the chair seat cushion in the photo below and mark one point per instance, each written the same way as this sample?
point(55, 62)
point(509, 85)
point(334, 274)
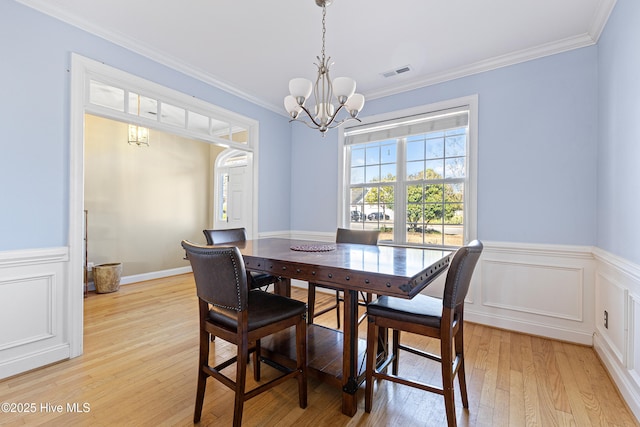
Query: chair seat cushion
point(264, 308)
point(258, 280)
point(421, 309)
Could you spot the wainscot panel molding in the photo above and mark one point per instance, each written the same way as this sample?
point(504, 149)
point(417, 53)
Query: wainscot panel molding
point(33, 309)
point(617, 338)
point(545, 290)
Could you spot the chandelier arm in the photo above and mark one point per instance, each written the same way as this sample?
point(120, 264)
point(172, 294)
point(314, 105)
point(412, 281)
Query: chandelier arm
point(309, 115)
point(346, 119)
point(333, 117)
point(309, 125)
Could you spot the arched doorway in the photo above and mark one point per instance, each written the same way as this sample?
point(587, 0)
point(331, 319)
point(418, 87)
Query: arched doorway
point(233, 191)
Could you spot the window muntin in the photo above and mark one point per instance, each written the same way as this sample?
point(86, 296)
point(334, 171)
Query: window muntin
point(142, 108)
point(373, 175)
point(427, 176)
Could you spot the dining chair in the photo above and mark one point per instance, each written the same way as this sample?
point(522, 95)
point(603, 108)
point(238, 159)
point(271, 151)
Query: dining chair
point(232, 312)
point(440, 318)
point(222, 236)
point(343, 235)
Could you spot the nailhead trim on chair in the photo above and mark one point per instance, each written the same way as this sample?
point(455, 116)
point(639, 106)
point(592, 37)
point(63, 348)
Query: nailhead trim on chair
point(235, 270)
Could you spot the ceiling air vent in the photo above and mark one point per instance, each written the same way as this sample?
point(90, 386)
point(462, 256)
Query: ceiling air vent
point(397, 71)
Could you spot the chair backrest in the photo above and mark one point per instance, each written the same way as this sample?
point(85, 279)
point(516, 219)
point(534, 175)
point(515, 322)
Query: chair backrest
point(459, 274)
point(363, 237)
point(220, 237)
point(220, 274)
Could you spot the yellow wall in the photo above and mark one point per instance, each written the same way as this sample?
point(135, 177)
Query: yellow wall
point(142, 201)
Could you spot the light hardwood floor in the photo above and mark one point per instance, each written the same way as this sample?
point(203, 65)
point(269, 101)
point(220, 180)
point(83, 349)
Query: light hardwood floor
point(140, 358)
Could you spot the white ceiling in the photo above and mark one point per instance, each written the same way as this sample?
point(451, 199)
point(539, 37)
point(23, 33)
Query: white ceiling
point(253, 48)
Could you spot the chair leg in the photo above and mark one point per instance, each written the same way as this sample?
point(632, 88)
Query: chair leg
point(447, 381)
point(241, 374)
point(256, 362)
point(311, 302)
point(395, 348)
point(301, 361)
point(372, 341)
point(459, 350)
point(202, 376)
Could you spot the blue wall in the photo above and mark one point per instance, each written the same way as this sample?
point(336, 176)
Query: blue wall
point(618, 206)
point(537, 151)
point(558, 139)
point(34, 107)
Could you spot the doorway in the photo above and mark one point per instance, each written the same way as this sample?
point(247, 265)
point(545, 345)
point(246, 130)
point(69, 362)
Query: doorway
point(184, 115)
point(233, 172)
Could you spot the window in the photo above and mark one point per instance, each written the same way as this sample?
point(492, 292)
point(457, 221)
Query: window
point(412, 176)
point(109, 100)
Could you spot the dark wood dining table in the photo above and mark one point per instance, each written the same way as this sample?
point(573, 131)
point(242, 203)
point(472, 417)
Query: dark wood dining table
point(333, 355)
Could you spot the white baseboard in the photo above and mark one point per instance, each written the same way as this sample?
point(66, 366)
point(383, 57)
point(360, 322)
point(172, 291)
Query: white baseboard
point(34, 360)
point(530, 328)
point(126, 280)
point(627, 386)
point(617, 291)
point(154, 275)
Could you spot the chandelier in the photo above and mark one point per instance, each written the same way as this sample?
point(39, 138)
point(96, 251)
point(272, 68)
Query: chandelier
point(325, 112)
point(138, 135)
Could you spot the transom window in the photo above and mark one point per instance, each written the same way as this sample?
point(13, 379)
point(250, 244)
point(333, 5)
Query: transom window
point(110, 100)
point(410, 178)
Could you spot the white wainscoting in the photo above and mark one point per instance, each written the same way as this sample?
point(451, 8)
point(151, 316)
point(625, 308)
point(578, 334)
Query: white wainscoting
point(554, 291)
point(545, 290)
point(618, 345)
point(33, 315)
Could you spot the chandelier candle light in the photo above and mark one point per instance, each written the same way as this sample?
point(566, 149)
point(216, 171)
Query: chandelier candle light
point(341, 88)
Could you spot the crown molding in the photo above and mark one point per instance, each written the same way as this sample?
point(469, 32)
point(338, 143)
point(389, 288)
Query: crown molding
point(600, 18)
point(48, 8)
point(501, 61)
point(598, 23)
point(590, 38)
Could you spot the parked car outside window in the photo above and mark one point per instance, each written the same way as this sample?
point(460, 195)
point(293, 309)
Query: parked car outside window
point(357, 216)
point(377, 216)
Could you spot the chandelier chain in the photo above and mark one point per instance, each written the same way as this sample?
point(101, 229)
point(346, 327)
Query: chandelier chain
point(324, 30)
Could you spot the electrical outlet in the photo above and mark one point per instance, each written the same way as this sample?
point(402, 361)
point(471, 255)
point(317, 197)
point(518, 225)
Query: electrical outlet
point(89, 266)
point(606, 319)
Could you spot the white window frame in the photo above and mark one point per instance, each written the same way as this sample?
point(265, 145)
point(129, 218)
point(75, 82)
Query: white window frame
point(470, 183)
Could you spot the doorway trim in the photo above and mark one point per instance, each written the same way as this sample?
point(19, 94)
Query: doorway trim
point(82, 69)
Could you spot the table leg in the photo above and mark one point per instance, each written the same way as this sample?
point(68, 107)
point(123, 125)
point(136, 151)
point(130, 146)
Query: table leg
point(350, 354)
point(283, 287)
